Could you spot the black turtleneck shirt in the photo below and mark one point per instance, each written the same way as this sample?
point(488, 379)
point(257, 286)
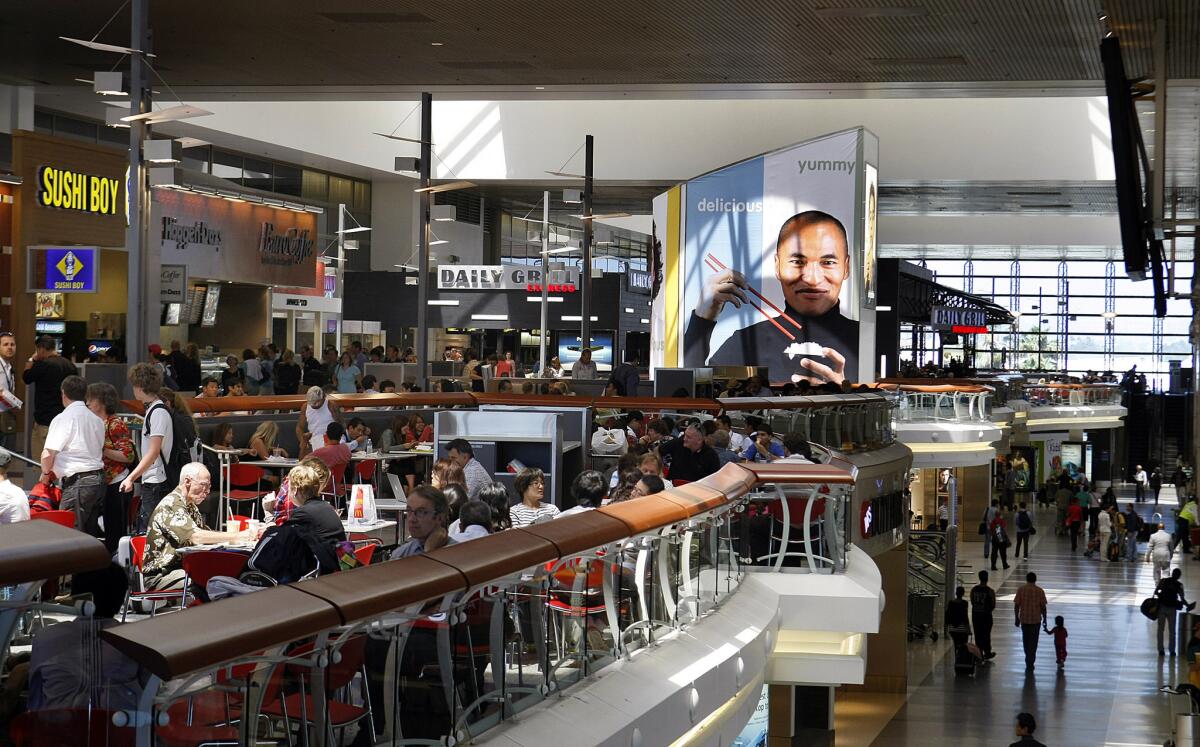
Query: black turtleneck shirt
point(762, 344)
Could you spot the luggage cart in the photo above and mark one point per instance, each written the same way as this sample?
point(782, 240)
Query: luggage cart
point(920, 616)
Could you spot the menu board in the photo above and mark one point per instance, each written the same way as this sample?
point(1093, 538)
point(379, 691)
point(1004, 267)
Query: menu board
point(209, 318)
point(195, 305)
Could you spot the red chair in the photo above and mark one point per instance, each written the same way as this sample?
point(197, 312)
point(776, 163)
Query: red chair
point(200, 567)
point(69, 726)
point(62, 518)
point(338, 675)
point(137, 553)
point(241, 478)
point(364, 471)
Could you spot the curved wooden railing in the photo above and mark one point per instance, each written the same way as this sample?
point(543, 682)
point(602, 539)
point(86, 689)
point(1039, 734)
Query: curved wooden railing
point(293, 402)
point(212, 634)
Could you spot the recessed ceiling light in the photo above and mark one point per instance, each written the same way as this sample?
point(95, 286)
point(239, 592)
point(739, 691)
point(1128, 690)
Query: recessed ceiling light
point(539, 88)
point(435, 44)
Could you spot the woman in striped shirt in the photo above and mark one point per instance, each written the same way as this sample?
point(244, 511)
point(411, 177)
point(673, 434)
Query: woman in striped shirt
point(531, 486)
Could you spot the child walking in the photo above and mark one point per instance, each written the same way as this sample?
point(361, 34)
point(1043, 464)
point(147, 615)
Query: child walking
point(1060, 640)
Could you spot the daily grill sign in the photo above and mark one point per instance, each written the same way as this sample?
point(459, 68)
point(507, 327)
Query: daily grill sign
point(506, 277)
point(75, 190)
point(946, 317)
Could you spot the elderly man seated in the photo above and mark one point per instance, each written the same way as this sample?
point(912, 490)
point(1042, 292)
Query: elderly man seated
point(176, 523)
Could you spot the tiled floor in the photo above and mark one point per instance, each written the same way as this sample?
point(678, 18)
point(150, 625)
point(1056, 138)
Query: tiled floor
point(1107, 695)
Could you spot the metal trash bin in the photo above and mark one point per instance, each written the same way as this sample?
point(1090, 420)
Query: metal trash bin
point(1183, 629)
point(1187, 730)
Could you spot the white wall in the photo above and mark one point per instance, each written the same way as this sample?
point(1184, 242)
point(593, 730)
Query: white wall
point(667, 140)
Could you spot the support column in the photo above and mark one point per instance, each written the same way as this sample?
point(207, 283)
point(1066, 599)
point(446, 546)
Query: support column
point(423, 244)
point(585, 272)
point(887, 650)
point(136, 243)
point(975, 486)
point(800, 716)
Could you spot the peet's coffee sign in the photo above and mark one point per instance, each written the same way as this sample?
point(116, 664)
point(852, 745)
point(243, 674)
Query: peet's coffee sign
point(287, 248)
point(506, 277)
point(239, 242)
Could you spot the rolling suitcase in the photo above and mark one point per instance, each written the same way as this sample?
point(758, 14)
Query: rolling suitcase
point(965, 661)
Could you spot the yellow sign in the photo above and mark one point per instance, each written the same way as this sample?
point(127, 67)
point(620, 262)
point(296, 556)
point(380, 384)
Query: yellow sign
point(73, 190)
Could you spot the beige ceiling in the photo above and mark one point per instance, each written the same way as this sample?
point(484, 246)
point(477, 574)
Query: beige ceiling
point(240, 43)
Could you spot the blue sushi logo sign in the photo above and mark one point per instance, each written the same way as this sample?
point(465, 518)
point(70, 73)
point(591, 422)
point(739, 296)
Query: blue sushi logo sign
point(71, 270)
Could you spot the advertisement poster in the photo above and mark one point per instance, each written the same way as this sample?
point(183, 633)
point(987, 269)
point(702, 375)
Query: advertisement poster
point(754, 733)
point(870, 254)
point(762, 264)
point(1019, 468)
point(1072, 457)
point(569, 348)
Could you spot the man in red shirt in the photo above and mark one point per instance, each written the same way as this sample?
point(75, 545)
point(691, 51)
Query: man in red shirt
point(335, 455)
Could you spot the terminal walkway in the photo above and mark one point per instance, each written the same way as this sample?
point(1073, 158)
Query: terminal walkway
point(1107, 694)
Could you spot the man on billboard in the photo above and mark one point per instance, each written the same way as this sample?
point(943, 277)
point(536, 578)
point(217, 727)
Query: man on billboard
point(810, 339)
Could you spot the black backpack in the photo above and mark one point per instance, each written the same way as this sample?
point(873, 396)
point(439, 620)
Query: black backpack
point(288, 553)
point(183, 442)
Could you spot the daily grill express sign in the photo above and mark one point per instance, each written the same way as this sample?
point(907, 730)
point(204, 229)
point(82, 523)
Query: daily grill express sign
point(505, 277)
point(236, 241)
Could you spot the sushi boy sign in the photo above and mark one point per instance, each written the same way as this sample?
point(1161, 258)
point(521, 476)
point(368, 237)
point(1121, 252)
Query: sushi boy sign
point(763, 264)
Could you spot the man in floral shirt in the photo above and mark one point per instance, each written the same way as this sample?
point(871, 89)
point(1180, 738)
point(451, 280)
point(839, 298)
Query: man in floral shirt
point(176, 523)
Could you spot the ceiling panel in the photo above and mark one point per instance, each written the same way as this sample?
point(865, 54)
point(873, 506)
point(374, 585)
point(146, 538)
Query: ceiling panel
point(536, 42)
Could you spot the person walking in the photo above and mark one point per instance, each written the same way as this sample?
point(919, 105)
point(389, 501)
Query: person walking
point(983, 603)
point(46, 370)
point(8, 383)
point(1156, 483)
point(1029, 604)
point(1139, 483)
point(1169, 593)
point(1104, 530)
point(958, 624)
point(73, 453)
point(1158, 552)
point(1000, 540)
point(1073, 522)
point(985, 527)
point(1025, 529)
point(1133, 525)
point(1189, 516)
point(1059, 631)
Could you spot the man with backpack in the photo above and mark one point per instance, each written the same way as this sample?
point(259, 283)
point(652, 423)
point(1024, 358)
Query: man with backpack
point(157, 445)
point(1025, 528)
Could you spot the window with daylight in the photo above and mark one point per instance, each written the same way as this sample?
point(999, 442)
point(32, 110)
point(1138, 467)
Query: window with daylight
point(1066, 320)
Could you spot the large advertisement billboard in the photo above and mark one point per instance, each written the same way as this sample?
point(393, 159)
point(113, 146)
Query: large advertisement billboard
point(762, 263)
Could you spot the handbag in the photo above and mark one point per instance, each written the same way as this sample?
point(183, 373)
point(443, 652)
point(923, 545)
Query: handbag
point(8, 423)
point(1032, 530)
point(983, 527)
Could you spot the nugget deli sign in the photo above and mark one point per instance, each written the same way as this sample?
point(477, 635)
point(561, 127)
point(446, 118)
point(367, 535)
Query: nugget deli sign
point(75, 190)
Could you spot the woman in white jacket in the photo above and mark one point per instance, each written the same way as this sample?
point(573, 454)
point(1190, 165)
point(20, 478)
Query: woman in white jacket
point(1104, 528)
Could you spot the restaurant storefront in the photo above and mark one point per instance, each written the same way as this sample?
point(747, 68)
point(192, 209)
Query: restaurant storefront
point(231, 252)
point(67, 271)
point(490, 308)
